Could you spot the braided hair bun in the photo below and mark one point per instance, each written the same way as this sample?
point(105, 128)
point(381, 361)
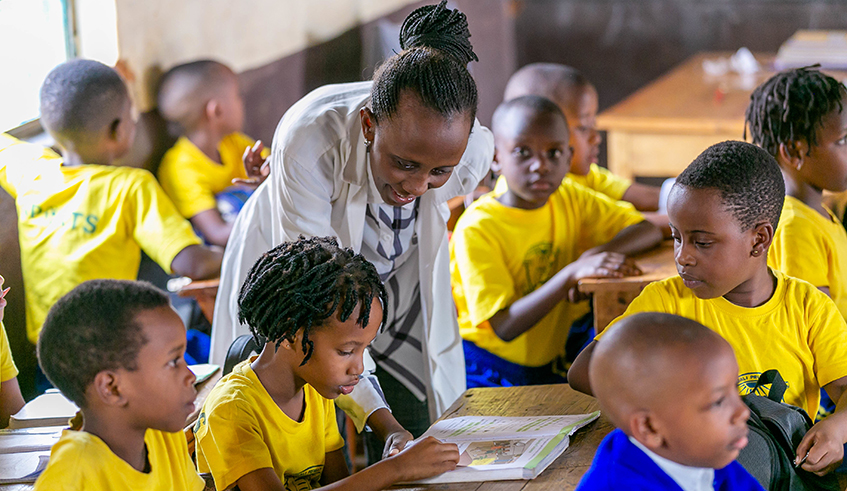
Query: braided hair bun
point(437, 27)
point(432, 65)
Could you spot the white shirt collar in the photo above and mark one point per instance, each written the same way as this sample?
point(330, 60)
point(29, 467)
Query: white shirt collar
point(688, 478)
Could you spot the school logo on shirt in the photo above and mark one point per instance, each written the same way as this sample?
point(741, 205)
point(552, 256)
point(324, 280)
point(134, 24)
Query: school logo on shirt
point(747, 385)
point(306, 480)
point(539, 264)
point(54, 219)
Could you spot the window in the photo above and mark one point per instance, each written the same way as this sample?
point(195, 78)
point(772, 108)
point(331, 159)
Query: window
point(35, 36)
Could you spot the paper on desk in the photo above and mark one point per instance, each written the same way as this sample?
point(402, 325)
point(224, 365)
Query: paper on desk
point(29, 439)
point(22, 468)
point(203, 371)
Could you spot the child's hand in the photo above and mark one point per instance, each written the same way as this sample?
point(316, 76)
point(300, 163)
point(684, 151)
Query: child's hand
point(599, 265)
point(426, 458)
point(824, 443)
point(395, 443)
point(257, 167)
point(3, 293)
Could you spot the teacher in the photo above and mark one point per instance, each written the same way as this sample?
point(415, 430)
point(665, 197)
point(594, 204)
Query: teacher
point(373, 164)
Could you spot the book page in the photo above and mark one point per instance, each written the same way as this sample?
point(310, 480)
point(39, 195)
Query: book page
point(502, 427)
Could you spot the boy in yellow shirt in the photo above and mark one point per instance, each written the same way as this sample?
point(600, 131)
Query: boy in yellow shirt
point(270, 425)
point(723, 211)
point(79, 216)
point(11, 400)
point(516, 258)
point(577, 98)
point(202, 98)
point(116, 348)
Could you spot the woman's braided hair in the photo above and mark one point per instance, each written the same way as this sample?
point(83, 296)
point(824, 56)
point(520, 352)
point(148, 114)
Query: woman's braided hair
point(790, 106)
point(433, 64)
point(301, 284)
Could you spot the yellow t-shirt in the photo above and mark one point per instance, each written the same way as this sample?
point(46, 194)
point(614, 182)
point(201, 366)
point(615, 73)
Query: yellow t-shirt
point(598, 179)
point(192, 179)
point(82, 461)
point(85, 222)
point(8, 370)
point(812, 247)
point(798, 332)
point(499, 254)
point(241, 429)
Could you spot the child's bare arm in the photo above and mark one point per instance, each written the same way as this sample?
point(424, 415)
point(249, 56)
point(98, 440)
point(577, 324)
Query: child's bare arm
point(527, 311)
point(426, 458)
point(335, 467)
point(634, 239)
point(212, 226)
point(11, 400)
point(578, 372)
point(824, 442)
point(386, 427)
point(645, 198)
point(197, 262)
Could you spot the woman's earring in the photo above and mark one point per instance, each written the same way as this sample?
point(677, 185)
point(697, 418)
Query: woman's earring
point(368, 145)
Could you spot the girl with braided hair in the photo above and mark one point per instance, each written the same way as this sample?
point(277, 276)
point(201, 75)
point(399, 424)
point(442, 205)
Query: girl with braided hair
point(799, 117)
point(373, 164)
point(270, 424)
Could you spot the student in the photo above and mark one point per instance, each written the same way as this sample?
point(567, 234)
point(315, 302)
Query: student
point(723, 211)
point(800, 118)
point(374, 164)
point(202, 97)
point(80, 217)
point(115, 348)
point(577, 98)
point(516, 257)
point(270, 425)
point(668, 384)
point(11, 400)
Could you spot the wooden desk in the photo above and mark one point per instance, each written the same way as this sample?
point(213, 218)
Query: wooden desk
point(203, 390)
point(658, 130)
point(540, 400)
point(204, 292)
point(613, 295)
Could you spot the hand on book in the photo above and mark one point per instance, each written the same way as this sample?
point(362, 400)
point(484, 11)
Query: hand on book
point(396, 442)
point(425, 458)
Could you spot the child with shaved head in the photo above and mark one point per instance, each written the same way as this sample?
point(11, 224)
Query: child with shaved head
point(202, 97)
point(669, 385)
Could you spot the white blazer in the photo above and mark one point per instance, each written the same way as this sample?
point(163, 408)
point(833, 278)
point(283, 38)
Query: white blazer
point(318, 186)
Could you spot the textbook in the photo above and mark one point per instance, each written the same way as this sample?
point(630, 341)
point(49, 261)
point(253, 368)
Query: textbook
point(807, 47)
point(24, 453)
point(495, 448)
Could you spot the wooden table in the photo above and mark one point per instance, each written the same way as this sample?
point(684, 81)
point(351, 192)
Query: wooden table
point(540, 400)
point(203, 390)
point(204, 292)
point(613, 295)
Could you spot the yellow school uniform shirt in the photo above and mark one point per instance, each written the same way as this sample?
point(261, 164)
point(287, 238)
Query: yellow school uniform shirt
point(598, 179)
point(241, 429)
point(798, 332)
point(500, 254)
point(85, 222)
point(82, 461)
point(192, 179)
point(8, 370)
point(812, 247)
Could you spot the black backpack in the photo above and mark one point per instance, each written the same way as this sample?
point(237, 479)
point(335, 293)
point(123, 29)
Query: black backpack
point(776, 430)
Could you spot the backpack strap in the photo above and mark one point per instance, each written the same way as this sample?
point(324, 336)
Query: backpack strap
point(778, 385)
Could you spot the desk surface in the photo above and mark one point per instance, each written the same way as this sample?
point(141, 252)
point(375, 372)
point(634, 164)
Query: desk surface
point(566, 471)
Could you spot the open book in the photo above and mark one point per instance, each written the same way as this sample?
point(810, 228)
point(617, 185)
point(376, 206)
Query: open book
point(497, 448)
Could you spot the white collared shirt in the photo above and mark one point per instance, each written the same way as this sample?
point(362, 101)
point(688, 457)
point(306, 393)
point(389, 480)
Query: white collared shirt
point(688, 478)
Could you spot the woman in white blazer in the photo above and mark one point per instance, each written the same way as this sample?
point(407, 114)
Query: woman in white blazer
point(347, 154)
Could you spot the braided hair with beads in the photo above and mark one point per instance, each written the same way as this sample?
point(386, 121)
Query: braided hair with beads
point(433, 65)
point(790, 106)
point(300, 284)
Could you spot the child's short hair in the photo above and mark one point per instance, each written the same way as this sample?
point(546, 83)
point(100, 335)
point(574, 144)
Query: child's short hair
point(748, 178)
point(92, 328)
point(300, 284)
point(80, 98)
point(536, 104)
point(790, 106)
point(549, 79)
point(185, 88)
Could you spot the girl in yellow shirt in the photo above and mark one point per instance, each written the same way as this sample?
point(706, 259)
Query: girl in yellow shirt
point(270, 424)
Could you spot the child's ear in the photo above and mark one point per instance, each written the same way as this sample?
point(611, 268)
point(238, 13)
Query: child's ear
point(114, 130)
point(106, 388)
point(368, 124)
point(212, 109)
point(762, 238)
point(793, 153)
point(642, 427)
point(495, 165)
